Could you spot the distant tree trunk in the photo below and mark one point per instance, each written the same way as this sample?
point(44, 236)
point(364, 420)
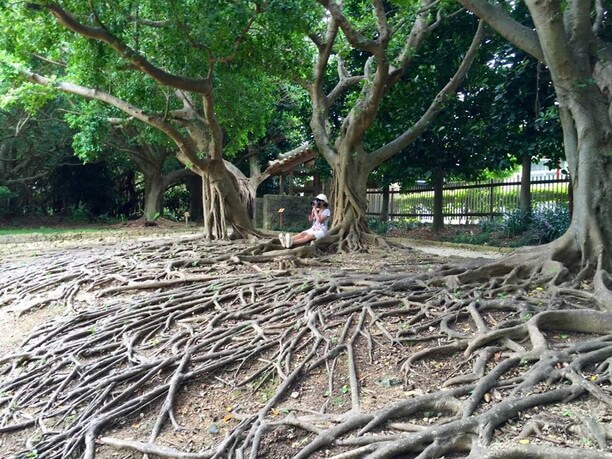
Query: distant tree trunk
point(438, 185)
point(384, 210)
point(224, 200)
point(128, 190)
point(194, 186)
point(153, 196)
point(525, 194)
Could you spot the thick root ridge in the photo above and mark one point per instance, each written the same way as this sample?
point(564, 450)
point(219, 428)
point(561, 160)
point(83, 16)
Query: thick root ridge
point(302, 361)
point(554, 266)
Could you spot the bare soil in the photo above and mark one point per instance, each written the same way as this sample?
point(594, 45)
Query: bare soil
point(208, 408)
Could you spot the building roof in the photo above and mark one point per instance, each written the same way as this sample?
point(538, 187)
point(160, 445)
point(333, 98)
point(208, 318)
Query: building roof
point(288, 161)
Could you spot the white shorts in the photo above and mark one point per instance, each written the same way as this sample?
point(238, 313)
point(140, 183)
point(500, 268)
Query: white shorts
point(318, 234)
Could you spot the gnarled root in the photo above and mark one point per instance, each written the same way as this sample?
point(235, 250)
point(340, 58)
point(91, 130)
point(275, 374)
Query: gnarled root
point(355, 363)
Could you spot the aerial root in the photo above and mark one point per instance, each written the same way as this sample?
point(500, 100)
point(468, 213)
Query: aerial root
point(401, 365)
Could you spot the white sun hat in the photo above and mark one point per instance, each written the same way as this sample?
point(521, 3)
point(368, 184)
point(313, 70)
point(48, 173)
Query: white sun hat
point(322, 197)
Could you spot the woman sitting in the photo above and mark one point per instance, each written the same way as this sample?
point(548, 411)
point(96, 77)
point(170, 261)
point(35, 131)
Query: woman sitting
point(319, 216)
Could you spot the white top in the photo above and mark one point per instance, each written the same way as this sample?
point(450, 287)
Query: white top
point(322, 226)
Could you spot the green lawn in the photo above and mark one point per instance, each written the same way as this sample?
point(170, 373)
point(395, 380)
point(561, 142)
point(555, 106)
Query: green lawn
point(45, 230)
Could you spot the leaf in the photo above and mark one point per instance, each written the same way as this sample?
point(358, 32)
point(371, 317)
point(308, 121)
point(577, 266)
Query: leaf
point(523, 441)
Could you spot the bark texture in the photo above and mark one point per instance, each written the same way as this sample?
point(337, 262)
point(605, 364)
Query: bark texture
point(569, 40)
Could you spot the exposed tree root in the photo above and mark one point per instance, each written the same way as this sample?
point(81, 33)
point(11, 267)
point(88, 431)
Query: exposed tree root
point(401, 366)
point(561, 266)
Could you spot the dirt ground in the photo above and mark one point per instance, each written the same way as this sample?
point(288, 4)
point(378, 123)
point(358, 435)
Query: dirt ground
point(20, 248)
point(213, 406)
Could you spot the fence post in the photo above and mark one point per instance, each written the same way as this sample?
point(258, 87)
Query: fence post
point(491, 202)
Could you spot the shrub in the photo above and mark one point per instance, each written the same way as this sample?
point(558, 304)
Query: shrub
point(404, 224)
point(548, 223)
point(378, 226)
point(488, 226)
point(515, 223)
point(468, 238)
point(5, 192)
point(5, 195)
point(79, 213)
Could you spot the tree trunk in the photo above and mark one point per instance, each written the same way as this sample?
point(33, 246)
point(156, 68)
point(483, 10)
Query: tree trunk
point(438, 185)
point(525, 194)
point(194, 186)
point(223, 204)
point(587, 136)
point(384, 210)
point(350, 224)
point(128, 191)
point(586, 244)
point(153, 196)
point(568, 38)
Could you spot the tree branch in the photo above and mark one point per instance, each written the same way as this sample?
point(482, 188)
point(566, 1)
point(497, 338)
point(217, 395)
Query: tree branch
point(415, 39)
point(320, 102)
point(176, 176)
point(494, 15)
point(355, 38)
point(381, 21)
point(201, 85)
point(151, 23)
point(185, 144)
point(345, 81)
point(600, 12)
point(390, 149)
point(578, 23)
point(216, 152)
point(239, 39)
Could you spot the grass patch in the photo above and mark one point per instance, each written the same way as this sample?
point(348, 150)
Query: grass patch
point(48, 231)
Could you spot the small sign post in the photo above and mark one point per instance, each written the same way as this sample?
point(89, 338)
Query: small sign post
point(281, 211)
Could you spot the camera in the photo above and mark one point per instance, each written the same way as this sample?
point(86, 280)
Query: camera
point(316, 203)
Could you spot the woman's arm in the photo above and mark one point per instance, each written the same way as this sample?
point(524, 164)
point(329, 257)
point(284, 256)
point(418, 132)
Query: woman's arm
point(313, 215)
point(319, 216)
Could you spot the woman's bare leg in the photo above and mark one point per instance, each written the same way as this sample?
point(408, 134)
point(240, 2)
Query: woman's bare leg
point(302, 238)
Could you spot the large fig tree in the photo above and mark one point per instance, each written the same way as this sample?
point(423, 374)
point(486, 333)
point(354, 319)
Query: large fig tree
point(574, 39)
point(194, 71)
point(384, 39)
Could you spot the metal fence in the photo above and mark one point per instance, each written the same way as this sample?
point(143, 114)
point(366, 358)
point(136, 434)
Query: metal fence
point(470, 202)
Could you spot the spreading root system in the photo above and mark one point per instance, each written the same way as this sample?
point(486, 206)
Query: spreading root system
point(208, 350)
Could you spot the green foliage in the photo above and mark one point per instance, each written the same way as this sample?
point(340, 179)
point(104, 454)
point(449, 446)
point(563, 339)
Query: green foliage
point(5, 195)
point(78, 213)
point(92, 130)
point(189, 35)
point(378, 226)
point(483, 238)
point(385, 228)
point(549, 223)
point(5, 192)
point(516, 222)
point(545, 224)
point(176, 203)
